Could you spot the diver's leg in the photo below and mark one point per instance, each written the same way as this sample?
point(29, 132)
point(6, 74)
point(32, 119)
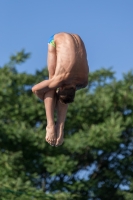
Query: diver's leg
point(50, 98)
point(61, 116)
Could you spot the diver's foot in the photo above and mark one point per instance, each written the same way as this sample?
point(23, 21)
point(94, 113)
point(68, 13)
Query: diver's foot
point(51, 135)
point(60, 135)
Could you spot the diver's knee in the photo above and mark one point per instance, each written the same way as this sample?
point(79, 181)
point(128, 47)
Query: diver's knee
point(34, 90)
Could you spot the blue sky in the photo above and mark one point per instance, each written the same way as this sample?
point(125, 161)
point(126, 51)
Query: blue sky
point(106, 28)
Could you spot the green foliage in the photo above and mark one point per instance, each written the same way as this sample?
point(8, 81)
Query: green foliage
point(19, 57)
point(96, 159)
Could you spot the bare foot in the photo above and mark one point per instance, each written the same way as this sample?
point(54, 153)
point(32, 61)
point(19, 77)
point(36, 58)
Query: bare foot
point(51, 135)
point(60, 135)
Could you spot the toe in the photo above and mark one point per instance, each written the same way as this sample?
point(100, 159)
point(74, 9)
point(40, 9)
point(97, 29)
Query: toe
point(58, 144)
point(51, 142)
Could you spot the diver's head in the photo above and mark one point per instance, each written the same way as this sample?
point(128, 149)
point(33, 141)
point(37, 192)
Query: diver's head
point(66, 94)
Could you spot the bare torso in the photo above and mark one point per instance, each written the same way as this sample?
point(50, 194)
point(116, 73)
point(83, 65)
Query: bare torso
point(71, 59)
point(67, 64)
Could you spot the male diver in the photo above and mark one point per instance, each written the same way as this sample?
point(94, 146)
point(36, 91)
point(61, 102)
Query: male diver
point(68, 71)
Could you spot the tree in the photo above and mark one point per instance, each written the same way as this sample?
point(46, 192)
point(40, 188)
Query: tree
point(96, 159)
